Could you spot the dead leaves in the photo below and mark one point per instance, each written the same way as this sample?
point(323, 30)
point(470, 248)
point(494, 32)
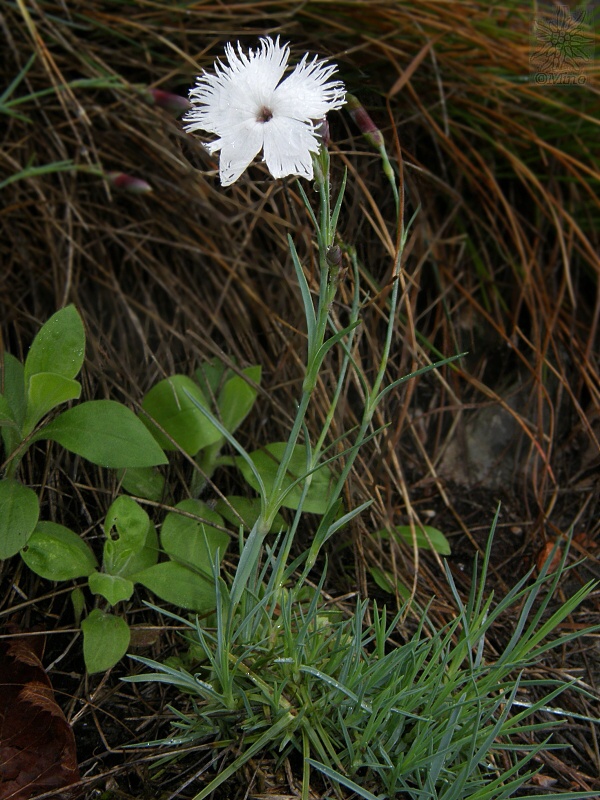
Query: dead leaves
point(37, 746)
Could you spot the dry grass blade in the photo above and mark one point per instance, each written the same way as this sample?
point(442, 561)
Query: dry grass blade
point(502, 262)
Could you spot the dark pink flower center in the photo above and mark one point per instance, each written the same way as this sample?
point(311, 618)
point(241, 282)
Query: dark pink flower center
point(264, 115)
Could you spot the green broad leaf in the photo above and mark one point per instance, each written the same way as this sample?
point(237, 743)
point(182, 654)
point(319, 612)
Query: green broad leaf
point(267, 462)
point(148, 555)
point(59, 346)
point(6, 413)
point(427, 538)
point(13, 387)
point(78, 601)
point(237, 398)
point(19, 512)
point(169, 406)
point(193, 542)
point(127, 523)
point(179, 585)
point(46, 391)
point(11, 438)
point(385, 581)
point(131, 541)
point(209, 376)
point(113, 588)
point(57, 553)
point(105, 640)
point(106, 433)
point(144, 482)
point(248, 508)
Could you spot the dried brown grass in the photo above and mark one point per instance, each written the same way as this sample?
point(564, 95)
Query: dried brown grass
point(502, 262)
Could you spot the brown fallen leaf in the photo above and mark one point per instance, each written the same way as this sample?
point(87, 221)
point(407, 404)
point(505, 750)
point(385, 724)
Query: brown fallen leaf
point(544, 554)
point(586, 541)
point(543, 781)
point(37, 746)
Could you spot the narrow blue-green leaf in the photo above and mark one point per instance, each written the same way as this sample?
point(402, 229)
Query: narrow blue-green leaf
point(337, 777)
point(593, 795)
point(174, 677)
point(333, 340)
point(309, 308)
point(307, 204)
point(415, 374)
point(43, 169)
point(6, 94)
point(266, 463)
point(272, 734)
point(338, 203)
point(231, 439)
point(248, 508)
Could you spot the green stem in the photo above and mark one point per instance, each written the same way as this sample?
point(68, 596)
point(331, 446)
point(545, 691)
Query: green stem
point(274, 503)
point(373, 395)
point(346, 359)
point(327, 289)
point(251, 553)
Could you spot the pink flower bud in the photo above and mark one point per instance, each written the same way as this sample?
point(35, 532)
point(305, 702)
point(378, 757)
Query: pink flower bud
point(363, 121)
point(128, 183)
point(173, 103)
point(322, 130)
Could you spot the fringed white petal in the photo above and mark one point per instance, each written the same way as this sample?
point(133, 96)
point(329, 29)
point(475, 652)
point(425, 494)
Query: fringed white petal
point(288, 146)
point(238, 151)
point(246, 104)
point(306, 94)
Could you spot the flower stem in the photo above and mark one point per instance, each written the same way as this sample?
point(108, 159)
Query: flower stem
point(251, 553)
point(315, 356)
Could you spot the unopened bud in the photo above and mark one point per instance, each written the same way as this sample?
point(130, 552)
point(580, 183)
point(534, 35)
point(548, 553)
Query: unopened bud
point(173, 103)
point(322, 130)
point(127, 183)
point(363, 121)
point(334, 256)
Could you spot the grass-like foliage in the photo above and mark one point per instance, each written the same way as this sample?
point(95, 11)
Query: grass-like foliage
point(279, 672)
point(430, 715)
point(111, 206)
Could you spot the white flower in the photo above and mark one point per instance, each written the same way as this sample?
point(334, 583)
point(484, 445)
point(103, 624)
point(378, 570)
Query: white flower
point(248, 108)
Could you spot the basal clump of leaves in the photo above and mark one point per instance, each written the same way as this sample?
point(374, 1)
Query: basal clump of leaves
point(426, 716)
